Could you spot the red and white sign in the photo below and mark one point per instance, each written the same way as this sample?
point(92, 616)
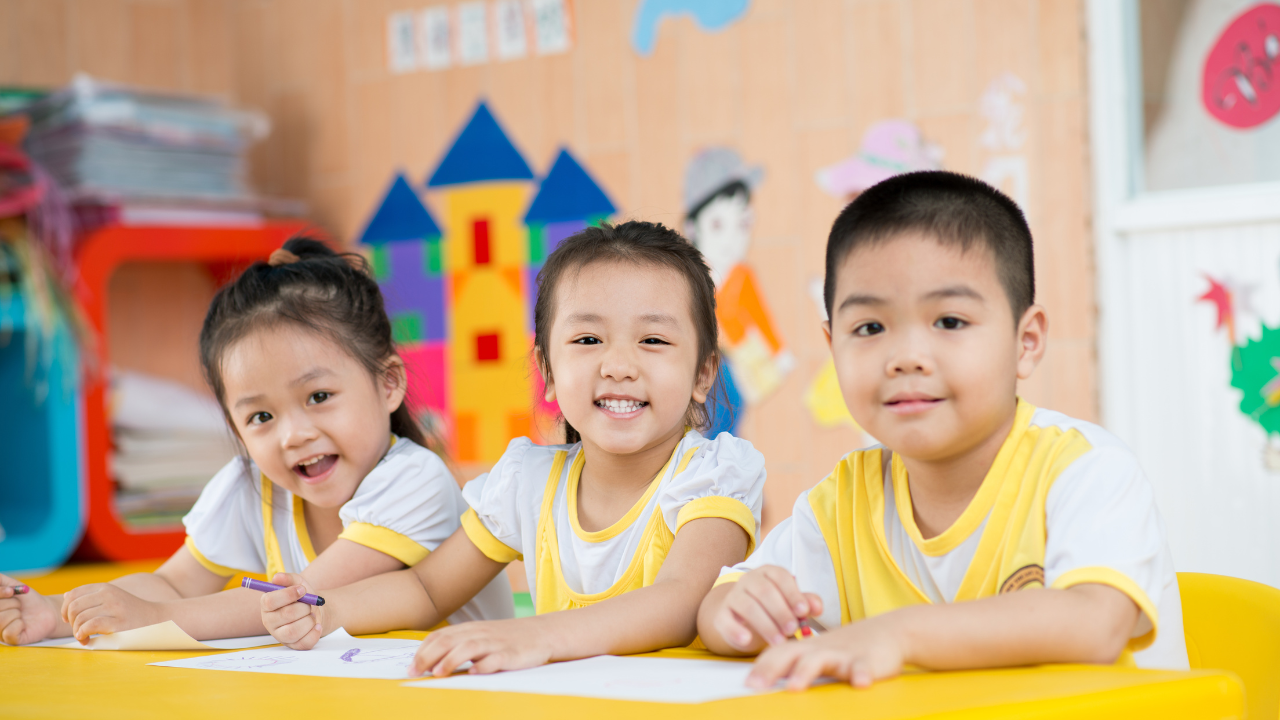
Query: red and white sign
point(1241, 87)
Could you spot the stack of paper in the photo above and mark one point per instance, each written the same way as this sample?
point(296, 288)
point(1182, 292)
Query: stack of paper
point(169, 440)
point(100, 139)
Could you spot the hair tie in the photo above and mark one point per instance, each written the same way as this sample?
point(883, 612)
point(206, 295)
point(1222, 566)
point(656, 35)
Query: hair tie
point(282, 257)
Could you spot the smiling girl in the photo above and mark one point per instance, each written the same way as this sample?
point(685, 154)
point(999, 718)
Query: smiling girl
point(626, 526)
point(337, 484)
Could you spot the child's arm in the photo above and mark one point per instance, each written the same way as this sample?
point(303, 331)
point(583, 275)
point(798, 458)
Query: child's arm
point(419, 597)
point(1086, 623)
point(660, 615)
point(184, 591)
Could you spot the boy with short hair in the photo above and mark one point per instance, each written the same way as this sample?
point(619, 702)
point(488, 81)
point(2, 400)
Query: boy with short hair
point(975, 495)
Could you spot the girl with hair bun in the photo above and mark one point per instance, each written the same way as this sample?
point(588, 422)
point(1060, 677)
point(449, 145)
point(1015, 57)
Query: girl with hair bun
point(336, 485)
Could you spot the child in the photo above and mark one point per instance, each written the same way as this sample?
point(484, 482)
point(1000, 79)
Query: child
point(337, 485)
point(974, 496)
point(628, 525)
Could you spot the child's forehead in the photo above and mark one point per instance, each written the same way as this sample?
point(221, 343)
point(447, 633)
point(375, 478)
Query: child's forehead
point(919, 252)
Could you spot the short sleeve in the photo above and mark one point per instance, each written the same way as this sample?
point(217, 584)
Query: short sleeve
point(797, 546)
point(1103, 527)
point(493, 523)
point(724, 478)
point(224, 527)
point(406, 506)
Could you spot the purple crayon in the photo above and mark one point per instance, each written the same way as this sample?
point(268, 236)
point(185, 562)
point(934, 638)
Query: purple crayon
point(271, 587)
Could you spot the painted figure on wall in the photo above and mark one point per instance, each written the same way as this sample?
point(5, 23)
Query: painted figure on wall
point(719, 220)
point(889, 147)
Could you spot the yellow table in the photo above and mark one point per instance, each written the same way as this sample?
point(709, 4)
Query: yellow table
point(48, 682)
point(53, 683)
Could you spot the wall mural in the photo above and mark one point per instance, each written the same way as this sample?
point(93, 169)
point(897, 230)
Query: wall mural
point(711, 15)
point(460, 295)
point(1255, 364)
point(719, 220)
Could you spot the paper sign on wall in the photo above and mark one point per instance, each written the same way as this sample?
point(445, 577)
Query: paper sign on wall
point(552, 30)
point(510, 33)
point(473, 40)
point(434, 49)
point(401, 55)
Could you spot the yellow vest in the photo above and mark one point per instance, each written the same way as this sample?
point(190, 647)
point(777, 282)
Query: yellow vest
point(849, 506)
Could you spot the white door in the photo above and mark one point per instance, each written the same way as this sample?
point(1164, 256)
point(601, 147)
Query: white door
point(1186, 155)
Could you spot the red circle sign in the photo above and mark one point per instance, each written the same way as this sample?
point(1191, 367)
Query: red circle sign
point(1241, 87)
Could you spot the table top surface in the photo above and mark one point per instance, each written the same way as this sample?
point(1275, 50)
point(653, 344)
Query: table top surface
point(50, 682)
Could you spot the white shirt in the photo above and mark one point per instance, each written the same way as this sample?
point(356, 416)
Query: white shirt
point(405, 507)
point(508, 501)
point(1100, 512)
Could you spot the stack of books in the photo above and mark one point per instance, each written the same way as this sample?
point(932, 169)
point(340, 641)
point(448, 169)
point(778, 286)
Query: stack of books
point(143, 157)
point(169, 440)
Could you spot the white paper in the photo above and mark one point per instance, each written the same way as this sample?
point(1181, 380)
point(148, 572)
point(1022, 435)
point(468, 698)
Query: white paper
point(510, 30)
point(401, 57)
point(338, 655)
point(161, 636)
point(643, 679)
point(434, 49)
point(550, 26)
point(473, 34)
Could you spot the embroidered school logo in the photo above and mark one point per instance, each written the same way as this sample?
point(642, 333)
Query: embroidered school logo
point(1023, 577)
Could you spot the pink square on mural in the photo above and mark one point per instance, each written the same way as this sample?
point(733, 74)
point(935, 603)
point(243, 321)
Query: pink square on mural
point(425, 365)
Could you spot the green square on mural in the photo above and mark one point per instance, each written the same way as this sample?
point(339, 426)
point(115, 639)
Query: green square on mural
point(407, 327)
point(381, 263)
point(433, 257)
point(537, 244)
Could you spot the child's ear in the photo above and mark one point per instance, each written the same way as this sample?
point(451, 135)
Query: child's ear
point(395, 383)
point(548, 384)
point(1033, 338)
point(706, 378)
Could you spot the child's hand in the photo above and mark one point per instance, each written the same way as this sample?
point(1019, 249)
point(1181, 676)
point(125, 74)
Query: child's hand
point(491, 646)
point(100, 608)
point(858, 654)
point(765, 605)
point(295, 624)
point(26, 618)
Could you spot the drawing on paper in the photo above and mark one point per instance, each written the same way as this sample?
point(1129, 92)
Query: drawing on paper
point(246, 661)
point(387, 655)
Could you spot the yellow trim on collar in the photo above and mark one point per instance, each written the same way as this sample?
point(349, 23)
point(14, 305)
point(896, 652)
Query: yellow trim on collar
point(718, 506)
point(979, 507)
point(271, 544)
point(492, 547)
point(725, 579)
point(385, 540)
point(1115, 579)
point(211, 566)
point(624, 522)
point(300, 526)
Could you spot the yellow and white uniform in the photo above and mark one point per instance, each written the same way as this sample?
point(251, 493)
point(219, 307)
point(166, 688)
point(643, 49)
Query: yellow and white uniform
point(405, 507)
point(526, 508)
point(1065, 503)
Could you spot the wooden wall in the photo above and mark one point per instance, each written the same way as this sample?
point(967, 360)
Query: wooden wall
point(791, 86)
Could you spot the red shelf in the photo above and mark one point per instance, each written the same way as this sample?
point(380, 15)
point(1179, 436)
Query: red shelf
point(101, 254)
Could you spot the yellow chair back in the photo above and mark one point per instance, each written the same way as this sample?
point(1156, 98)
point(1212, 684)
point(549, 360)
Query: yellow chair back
point(1233, 624)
